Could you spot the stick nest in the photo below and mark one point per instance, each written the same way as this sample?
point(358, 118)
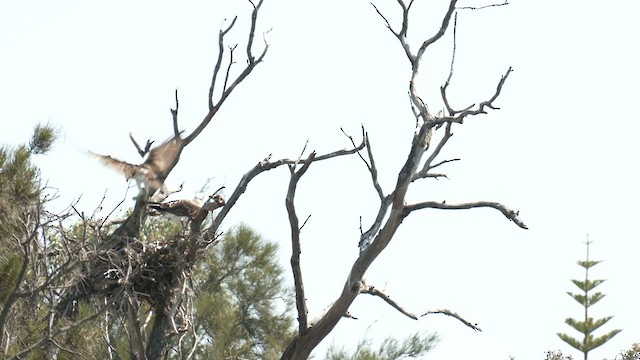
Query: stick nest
point(146, 269)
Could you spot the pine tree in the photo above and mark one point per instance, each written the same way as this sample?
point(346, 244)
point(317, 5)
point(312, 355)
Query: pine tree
point(243, 306)
point(589, 325)
point(21, 216)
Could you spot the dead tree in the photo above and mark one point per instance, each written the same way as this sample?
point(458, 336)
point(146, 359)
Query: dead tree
point(420, 164)
point(432, 133)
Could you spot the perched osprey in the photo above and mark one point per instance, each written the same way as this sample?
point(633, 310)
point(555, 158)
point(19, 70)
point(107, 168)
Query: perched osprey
point(154, 167)
point(184, 210)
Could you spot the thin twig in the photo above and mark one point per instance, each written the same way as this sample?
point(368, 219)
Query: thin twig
point(252, 62)
point(459, 116)
point(454, 315)
point(231, 62)
point(216, 68)
point(174, 116)
point(434, 153)
point(483, 7)
point(375, 292)
point(443, 89)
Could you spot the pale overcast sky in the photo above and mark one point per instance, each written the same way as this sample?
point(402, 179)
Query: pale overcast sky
point(562, 150)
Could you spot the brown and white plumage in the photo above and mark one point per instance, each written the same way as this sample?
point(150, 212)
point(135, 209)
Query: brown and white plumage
point(177, 210)
point(154, 168)
point(184, 210)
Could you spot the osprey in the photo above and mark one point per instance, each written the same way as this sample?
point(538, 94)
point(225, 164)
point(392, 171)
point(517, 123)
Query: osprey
point(184, 210)
point(150, 173)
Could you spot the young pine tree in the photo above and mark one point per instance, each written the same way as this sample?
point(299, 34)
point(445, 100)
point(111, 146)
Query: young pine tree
point(589, 325)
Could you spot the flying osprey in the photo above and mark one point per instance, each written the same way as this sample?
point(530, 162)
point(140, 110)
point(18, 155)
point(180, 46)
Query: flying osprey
point(150, 173)
point(184, 210)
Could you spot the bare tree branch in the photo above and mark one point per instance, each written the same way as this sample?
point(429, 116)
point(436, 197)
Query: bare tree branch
point(458, 116)
point(443, 89)
point(441, 31)
point(254, 21)
point(371, 164)
point(133, 325)
point(443, 162)
point(174, 116)
point(383, 18)
point(231, 63)
point(392, 209)
point(147, 147)
point(301, 304)
point(216, 68)
point(454, 315)
point(482, 7)
point(508, 213)
point(305, 221)
point(266, 165)
point(371, 290)
point(252, 62)
point(402, 34)
point(436, 151)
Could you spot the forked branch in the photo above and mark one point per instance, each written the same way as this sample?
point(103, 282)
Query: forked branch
point(141, 152)
point(370, 164)
point(216, 68)
point(227, 88)
point(371, 290)
point(458, 116)
point(424, 172)
point(266, 165)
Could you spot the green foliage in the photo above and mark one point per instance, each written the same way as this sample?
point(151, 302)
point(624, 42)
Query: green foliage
point(553, 355)
point(240, 306)
point(19, 181)
point(20, 215)
point(82, 342)
point(588, 325)
point(632, 354)
point(586, 301)
point(242, 303)
point(19, 189)
point(587, 285)
point(9, 268)
point(390, 349)
point(43, 138)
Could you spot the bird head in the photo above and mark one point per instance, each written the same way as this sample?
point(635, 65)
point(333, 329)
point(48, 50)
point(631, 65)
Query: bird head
point(215, 201)
point(218, 198)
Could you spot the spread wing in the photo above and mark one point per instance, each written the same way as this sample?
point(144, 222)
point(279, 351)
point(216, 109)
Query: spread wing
point(129, 170)
point(124, 167)
point(163, 157)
